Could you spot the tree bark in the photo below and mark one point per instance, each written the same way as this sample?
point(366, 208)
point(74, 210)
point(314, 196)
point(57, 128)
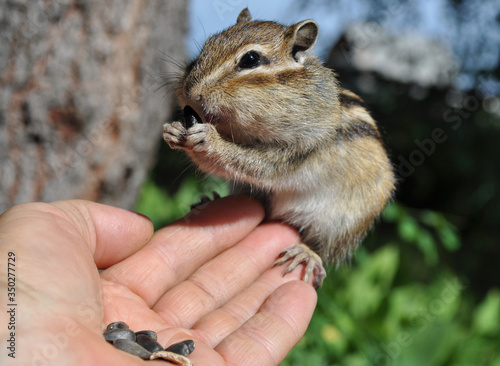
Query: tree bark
point(81, 99)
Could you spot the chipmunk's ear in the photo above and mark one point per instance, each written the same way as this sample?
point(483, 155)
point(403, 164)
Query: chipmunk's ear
point(302, 37)
point(244, 16)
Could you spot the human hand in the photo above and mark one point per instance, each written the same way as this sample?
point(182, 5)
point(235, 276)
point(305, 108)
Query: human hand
point(206, 277)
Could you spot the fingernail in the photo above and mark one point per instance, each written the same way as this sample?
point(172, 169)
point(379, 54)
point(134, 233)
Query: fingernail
point(141, 215)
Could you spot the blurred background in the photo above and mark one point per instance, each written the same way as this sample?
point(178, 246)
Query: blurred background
point(86, 86)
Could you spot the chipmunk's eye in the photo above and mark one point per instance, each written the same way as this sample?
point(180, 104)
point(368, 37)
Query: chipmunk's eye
point(250, 60)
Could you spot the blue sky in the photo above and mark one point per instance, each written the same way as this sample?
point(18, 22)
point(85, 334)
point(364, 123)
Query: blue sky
point(476, 38)
point(208, 17)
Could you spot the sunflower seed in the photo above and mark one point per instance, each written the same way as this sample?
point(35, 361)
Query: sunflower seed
point(144, 344)
point(148, 343)
point(115, 334)
point(190, 117)
point(133, 348)
point(117, 325)
point(149, 333)
point(182, 348)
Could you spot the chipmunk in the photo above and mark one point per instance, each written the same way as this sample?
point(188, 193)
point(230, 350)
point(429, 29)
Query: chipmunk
point(264, 113)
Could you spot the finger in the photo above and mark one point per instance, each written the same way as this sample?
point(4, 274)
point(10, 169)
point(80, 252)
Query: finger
point(267, 337)
point(225, 276)
point(220, 323)
point(63, 237)
point(272, 332)
point(177, 250)
point(48, 248)
point(112, 233)
point(65, 233)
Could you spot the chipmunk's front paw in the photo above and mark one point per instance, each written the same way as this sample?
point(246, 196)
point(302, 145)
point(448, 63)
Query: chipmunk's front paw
point(195, 138)
point(175, 134)
point(301, 253)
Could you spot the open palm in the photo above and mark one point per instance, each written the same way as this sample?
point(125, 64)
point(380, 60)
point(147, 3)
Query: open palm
point(206, 277)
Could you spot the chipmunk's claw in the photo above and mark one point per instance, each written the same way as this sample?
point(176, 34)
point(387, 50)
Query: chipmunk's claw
point(195, 138)
point(174, 134)
point(301, 253)
point(204, 199)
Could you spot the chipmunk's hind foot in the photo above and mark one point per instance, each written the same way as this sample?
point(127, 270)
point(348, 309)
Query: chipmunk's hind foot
point(301, 253)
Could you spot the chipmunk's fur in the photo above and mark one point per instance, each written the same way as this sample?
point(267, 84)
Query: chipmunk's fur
point(287, 131)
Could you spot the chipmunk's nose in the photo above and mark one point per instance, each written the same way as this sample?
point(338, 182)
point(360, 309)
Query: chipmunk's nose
point(194, 96)
point(192, 90)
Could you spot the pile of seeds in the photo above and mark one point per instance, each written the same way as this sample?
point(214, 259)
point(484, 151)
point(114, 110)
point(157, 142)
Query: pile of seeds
point(144, 344)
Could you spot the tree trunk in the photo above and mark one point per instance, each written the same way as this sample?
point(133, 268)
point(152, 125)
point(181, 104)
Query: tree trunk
point(81, 102)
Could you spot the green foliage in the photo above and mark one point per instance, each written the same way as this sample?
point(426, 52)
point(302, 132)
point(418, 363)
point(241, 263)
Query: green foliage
point(424, 229)
point(163, 208)
point(368, 316)
point(486, 318)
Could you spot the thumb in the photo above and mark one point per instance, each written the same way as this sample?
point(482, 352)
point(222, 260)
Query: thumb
point(112, 233)
point(52, 235)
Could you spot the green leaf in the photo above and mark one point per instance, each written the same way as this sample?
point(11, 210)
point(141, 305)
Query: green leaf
point(367, 287)
point(428, 246)
point(445, 230)
point(486, 320)
point(430, 346)
point(392, 212)
point(449, 238)
point(433, 218)
point(408, 229)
